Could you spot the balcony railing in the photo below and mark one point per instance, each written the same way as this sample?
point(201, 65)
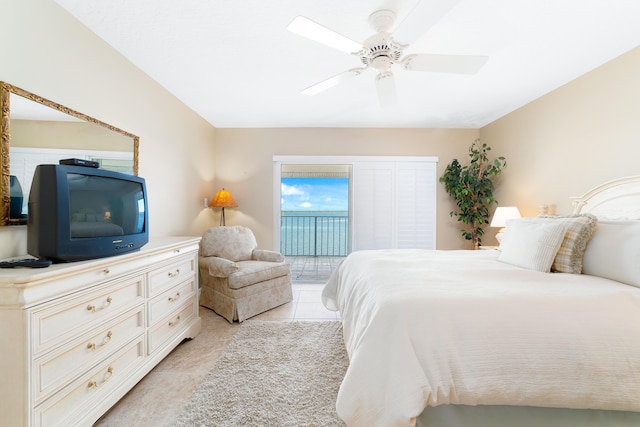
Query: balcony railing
point(314, 234)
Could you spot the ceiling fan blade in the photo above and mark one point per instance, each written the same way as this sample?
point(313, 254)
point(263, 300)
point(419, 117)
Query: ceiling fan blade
point(386, 88)
point(455, 64)
point(423, 16)
point(321, 34)
point(333, 81)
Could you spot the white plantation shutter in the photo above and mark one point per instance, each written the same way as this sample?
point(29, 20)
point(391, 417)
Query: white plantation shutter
point(416, 202)
point(372, 212)
point(394, 204)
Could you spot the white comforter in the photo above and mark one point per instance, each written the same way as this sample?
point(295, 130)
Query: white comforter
point(426, 328)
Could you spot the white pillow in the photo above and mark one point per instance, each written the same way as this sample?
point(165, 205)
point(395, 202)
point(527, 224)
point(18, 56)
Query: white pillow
point(531, 245)
point(614, 252)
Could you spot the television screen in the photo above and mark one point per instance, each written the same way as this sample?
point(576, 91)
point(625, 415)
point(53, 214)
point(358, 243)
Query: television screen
point(102, 206)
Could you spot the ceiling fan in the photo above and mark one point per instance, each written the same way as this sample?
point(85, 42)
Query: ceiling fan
point(384, 49)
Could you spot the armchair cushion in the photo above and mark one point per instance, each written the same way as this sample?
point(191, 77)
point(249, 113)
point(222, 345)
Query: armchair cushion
point(266, 255)
point(252, 272)
point(218, 267)
point(235, 243)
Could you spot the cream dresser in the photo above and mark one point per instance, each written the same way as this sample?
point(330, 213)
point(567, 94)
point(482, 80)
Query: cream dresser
point(75, 337)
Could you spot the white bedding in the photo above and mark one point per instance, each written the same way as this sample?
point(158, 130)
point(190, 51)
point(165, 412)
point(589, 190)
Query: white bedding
point(428, 328)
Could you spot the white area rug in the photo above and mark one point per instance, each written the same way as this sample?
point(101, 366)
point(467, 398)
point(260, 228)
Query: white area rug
point(273, 374)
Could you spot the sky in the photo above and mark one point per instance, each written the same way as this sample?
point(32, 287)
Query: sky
point(314, 194)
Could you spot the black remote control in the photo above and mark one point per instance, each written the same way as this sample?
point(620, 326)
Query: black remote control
point(80, 162)
point(26, 262)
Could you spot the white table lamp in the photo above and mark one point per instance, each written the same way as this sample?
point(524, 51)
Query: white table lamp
point(500, 217)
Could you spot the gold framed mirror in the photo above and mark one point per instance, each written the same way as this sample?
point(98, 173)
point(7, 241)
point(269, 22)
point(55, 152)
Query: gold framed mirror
point(35, 130)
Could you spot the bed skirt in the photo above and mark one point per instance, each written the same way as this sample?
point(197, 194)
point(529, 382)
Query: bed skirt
point(523, 416)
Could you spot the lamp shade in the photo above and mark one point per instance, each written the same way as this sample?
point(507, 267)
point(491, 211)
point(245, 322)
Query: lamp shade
point(223, 199)
point(503, 214)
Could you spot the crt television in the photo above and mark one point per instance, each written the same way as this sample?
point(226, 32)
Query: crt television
point(78, 213)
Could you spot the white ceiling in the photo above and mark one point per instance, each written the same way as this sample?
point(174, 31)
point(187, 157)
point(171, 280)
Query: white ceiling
point(235, 63)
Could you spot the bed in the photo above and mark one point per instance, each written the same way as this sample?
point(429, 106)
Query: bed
point(515, 336)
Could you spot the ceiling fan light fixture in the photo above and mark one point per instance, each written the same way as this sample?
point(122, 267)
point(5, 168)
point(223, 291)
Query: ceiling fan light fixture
point(381, 63)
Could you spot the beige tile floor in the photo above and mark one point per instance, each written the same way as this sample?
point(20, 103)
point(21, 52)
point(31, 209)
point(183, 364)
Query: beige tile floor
point(160, 397)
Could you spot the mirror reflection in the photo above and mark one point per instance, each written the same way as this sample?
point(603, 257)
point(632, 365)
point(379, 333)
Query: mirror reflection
point(37, 131)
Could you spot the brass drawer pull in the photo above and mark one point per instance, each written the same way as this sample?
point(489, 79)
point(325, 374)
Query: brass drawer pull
point(105, 340)
point(105, 378)
point(95, 309)
point(172, 299)
point(174, 273)
point(172, 324)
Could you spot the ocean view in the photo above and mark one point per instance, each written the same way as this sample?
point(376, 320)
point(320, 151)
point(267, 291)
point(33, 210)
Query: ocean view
point(314, 233)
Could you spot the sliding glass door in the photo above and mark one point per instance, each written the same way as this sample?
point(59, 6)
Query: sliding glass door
point(314, 209)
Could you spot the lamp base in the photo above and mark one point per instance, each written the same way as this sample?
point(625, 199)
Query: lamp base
point(222, 220)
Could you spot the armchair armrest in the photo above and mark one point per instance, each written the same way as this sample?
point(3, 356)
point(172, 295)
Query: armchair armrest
point(266, 255)
point(218, 267)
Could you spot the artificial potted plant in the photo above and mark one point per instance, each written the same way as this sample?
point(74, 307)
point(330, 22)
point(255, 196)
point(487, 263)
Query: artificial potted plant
point(471, 186)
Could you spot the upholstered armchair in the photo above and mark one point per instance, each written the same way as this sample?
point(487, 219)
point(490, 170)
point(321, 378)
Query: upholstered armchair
point(237, 279)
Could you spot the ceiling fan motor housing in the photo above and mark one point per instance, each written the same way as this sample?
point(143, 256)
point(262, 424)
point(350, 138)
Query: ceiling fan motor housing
point(380, 52)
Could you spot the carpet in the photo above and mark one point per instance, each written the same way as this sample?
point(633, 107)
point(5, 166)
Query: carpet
point(276, 374)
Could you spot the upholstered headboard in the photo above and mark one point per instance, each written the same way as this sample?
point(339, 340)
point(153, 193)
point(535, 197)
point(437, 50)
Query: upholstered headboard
point(617, 199)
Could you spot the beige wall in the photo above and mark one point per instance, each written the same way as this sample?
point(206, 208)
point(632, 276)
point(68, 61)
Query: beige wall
point(244, 166)
point(574, 138)
point(47, 52)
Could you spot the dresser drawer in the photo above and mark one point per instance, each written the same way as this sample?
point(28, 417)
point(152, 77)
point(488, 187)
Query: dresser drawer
point(172, 325)
point(169, 275)
point(53, 371)
point(66, 318)
point(71, 404)
point(167, 302)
